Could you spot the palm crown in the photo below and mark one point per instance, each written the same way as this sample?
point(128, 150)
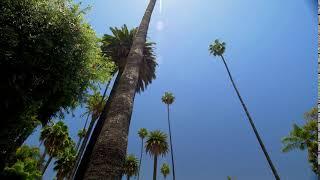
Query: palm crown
point(94, 106)
point(143, 132)
point(165, 169)
point(55, 137)
point(168, 98)
point(157, 143)
point(117, 47)
point(65, 161)
point(82, 133)
point(131, 166)
point(217, 48)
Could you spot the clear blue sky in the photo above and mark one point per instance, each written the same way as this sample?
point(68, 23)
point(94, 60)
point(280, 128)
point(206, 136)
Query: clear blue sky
point(272, 53)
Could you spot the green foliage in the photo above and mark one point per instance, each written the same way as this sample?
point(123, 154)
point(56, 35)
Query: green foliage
point(168, 98)
point(157, 143)
point(65, 161)
point(26, 166)
point(165, 170)
point(55, 137)
point(217, 48)
point(305, 137)
point(143, 132)
point(117, 47)
point(82, 133)
point(49, 57)
point(94, 104)
point(131, 165)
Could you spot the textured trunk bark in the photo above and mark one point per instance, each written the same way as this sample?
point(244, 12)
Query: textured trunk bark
point(155, 164)
point(109, 150)
point(46, 166)
point(140, 158)
point(171, 148)
point(90, 128)
point(274, 171)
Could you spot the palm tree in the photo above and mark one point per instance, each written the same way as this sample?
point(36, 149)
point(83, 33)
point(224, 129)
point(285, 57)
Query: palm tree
point(168, 99)
point(143, 132)
point(55, 138)
point(156, 145)
point(81, 134)
point(217, 49)
point(130, 167)
point(65, 161)
point(305, 137)
point(109, 140)
point(165, 170)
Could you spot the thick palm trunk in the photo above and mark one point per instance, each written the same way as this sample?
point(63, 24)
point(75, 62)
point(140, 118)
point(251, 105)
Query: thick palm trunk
point(108, 146)
point(140, 158)
point(171, 148)
point(155, 164)
point(46, 166)
point(275, 173)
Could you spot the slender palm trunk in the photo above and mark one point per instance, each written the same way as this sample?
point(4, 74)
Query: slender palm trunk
point(140, 158)
point(155, 164)
point(171, 148)
point(41, 160)
point(128, 177)
point(108, 146)
point(46, 166)
point(275, 173)
point(78, 143)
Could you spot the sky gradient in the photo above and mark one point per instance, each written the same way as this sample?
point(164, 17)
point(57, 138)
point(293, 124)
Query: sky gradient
point(272, 53)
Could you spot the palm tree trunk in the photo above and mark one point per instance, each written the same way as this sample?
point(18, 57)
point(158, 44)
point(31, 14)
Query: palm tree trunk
point(275, 173)
point(41, 160)
point(108, 146)
point(78, 144)
point(128, 177)
point(171, 148)
point(140, 158)
point(155, 164)
point(46, 166)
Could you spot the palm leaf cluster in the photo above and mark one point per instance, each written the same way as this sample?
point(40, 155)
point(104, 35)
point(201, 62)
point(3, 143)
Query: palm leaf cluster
point(131, 166)
point(168, 98)
point(65, 162)
point(165, 170)
point(157, 143)
point(117, 47)
point(217, 48)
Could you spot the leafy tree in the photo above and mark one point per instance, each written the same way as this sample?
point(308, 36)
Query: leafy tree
point(109, 138)
point(131, 167)
point(81, 134)
point(218, 49)
point(143, 132)
point(26, 166)
point(65, 162)
point(156, 145)
point(49, 57)
point(165, 170)
point(168, 99)
point(305, 137)
point(55, 138)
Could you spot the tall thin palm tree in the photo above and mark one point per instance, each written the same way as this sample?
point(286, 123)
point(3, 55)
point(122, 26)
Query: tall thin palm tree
point(130, 166)
point(81, 134)
point(55, 138)
point(143, 132)
point(217, 49)
point(156, 145)
point(109, 140)
point(168, 99)
point(165, 170)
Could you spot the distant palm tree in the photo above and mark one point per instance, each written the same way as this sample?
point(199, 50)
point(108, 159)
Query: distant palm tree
point(168, 99)
point(217, 49)
point(55, 138)
point(305, 137)
point(109, 138)
point(156, 145)
point(143, 132)
point(131, 166)
point(65, 162)
point(81, 134)
point(165, 170)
